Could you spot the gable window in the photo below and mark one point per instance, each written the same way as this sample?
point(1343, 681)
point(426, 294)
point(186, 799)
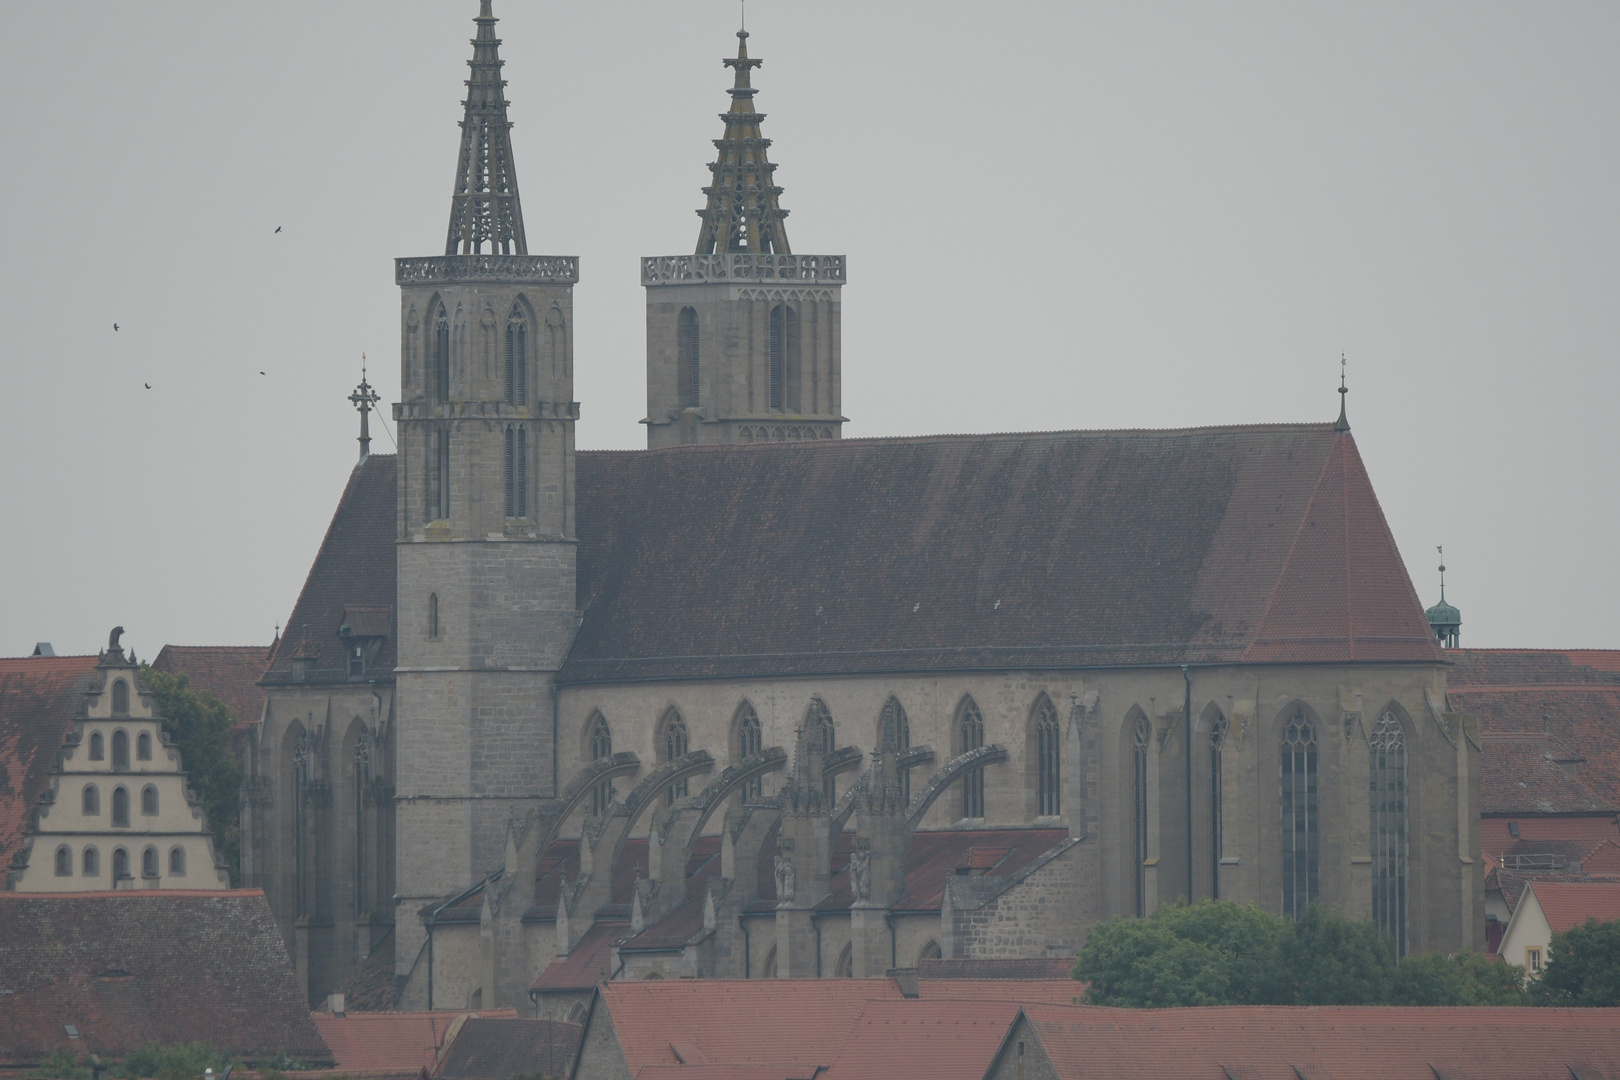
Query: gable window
point(894, 733)
point(970, 736)
point(177, 861)
point(1299, 833)
point(120, 865)
point(149, 863)
point(1532, 959)
point(1386, 802)
point(91, 863)
point(750, 741)
point(64, 861)
point(675, 746)
point(1217, 737)
point(98, 746)
point(120, 751)
point(120, 702)
point(517, 358)
point(784, 359)
point(686, 345)
point(601, 749)
point(1048, 759)
point(1140, 736)
point(91, 801)
point(819, 727)
point(120, 807)
point(143, 747)
point(149, 801)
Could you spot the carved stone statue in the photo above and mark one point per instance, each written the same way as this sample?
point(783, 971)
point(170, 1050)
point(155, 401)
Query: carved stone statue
point(860, 874)
point(784, 878)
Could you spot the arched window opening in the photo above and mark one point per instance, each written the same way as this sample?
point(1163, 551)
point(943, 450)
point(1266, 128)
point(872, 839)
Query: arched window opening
point(846, 964)
point(1141, 734)
point(930, 951)
point(769, 970)
point(557, 342)
point(894, 733)
point(433, 616)
point(601, 749)
point(784, 359)
point(750, 741)
point(120, 703)
point(441, 355)
point(675, 746)
point(1299, 840)
point(970, 736)
point(819, 728)
point(149, 863)
point(439, 506)
point(98, 746)
point(1387, 805)
point(143, 746)
point(64, 861)
point(149, 800)
point(91, 800)
point(1217, 835)
point(120, 751)
point(1048, 759)
point(517, 358)
point(90, 865)
point(177, 861)
point(517, 471)
point(686, 344)
point(120, 867)
point(576, 1015)
point(120, 807)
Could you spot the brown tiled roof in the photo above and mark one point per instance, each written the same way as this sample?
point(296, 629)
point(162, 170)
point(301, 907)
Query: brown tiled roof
point(923, 1039)
point(1056, 968)
point(135, 967)
point(1346, 1042)
point(39, 698)
point(1067, 549)
point(1572, 695)
point(1524, 773)
point(229, 672)
point(355, 569)
point(590, 962)
point(487, 1048)
point(370, 986)
point(1568, 905)
point(391, 1043)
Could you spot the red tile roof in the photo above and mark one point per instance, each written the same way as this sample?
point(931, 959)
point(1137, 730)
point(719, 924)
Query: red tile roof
point(355, 568)
point(493, 1048)
point(396, 1043)
point(1524, 773)
point(1047, 969)
point(230, 672)
point(1345, 1042)
point(39, 698)
point(370, 986)
point(1567, 905)
point(590, 962)
point(930, 1040)
point(1572, 695)
point(140, 966)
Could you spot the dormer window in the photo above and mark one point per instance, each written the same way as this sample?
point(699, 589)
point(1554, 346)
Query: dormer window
point(363, 630)
point(357, 659)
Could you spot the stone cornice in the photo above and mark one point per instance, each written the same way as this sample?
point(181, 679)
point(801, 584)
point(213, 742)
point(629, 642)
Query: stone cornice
point(518, 269)
point(741, 266)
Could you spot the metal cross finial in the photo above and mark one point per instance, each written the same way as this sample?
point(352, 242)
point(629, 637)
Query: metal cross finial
point(1343, 423)
point(1441, 549)
point(364, 398)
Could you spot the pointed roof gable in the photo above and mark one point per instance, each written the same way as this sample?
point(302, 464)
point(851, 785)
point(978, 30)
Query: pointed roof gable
point(40, 696)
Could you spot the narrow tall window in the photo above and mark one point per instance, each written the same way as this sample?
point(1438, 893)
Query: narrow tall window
point(98, 746)
point(64, 861)
point(149, 801)
point(517, 471)
point(1048, 759)
point(517, 358)
point(1299, 840)
point(675, 746)
point(557, 342)
point(441, 474)
point(120, 807)
point(120, 865)
point(433, 616)
point(1140, 735)
point(784, 358)
point(1217, 839)
point(120, 703)
point(511, 471)
point(441, 356)
point(149, 863)
point(91, 864)
point(91, 801)
point(143, 746)
point(819, 726)
point(601, 749)
point(120, 751)
point(970, 729)
point(686, 366)
point(177, 861)
point(1387, 804)
point(750, 740)
point(894, 732)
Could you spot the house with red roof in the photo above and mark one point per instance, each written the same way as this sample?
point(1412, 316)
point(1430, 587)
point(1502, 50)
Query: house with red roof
point(1549, 907)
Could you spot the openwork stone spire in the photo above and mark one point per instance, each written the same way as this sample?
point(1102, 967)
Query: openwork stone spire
point(485, 207)
point(742, 214)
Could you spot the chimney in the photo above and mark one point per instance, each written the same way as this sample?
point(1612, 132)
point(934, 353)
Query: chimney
point(334, 1003)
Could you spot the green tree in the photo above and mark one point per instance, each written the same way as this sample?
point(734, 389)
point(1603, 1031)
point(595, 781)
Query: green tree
point(200, 726)
point(1331, 960)
point(1583, 967)
point(1466, 978)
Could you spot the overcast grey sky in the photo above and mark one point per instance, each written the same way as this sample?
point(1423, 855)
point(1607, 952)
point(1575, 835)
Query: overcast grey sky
point(1057, 215)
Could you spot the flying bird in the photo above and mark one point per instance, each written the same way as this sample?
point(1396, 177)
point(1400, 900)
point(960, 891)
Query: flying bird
point(115, 328)
point(261, 373)
point(149, 386)
point(278, 228)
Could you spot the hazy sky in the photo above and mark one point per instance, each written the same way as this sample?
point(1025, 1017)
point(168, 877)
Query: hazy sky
point(1057, 215)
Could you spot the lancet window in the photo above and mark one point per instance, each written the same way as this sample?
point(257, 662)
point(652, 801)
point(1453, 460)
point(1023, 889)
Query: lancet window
point(894, 732)
point(750, 740)
point(819, 727)
point(1301, 872)
point(1141, 735)
point(98, 746)
point(517, 470)
point(149, 863)
point(1387, 805)
point(149, 800)
point(686, 344)
point(517, 358)
point(91, 863)
point(91, 800)
point(64, 861)
point(439, 493)
point(784, 358)
point(970, 736)
point(120, 867)
point(177, 861)
point(676, 745)
point(1217, 738)
point(441, 356)
point(601, 749)
point(1048, 758)
point(143, 746)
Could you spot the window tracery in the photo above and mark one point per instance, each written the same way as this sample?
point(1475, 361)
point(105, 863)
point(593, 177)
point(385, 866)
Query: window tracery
point(1301, 872)
point(784, 359)
point(676, 745)
point(1217, 839)
point(894, 733)
point(1141, 736)
point(517, 358)
point(601, 749)
point(819, 726)
point(1387, 807)
point(1048, 758)
point(750, 741)
point(970, 736)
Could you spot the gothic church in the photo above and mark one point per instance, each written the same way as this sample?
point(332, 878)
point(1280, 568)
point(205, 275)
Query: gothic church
point(761, 702)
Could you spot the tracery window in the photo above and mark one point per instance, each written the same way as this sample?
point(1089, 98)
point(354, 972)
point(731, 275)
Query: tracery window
point(894, 733)
point(120, 698)
point(517, 471)
point(784, 359)
point(1141, 734)
point(149, 863)
point(441, 355)
point(120, 761)
point(1217, 738)
point(970, 736)
point(517, 358)
point(1301, 873)
point(177, 861)
point(819, 727)
point(149, 800)
point(98, 746)
point(675, 746)
point(601, 749)
point(750, 741)
point(930, 951)
point(120, 807)
point(143, 747)
point(64, 861)
point(846, 964)
point(91, 863)
point(91, 800)
point(1387, 806)
point(1048, 758)
point(686, 367)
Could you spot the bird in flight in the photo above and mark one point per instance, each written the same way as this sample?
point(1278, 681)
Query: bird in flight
point(261, 373)
point(115, 328)
point(149, 386)
point(278, 228)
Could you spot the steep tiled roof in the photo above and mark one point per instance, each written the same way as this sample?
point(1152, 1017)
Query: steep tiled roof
point(39, 698)
point(1566, 904)
point(1573, 695)
point(1346, 1042)
point(487, 1048)
point(135, 967)
point(589, 963)
point(229, 672)
point(391, 1043)
point(355, 568)
point(925, 1039)
point(1524, 773)
point(1056, 968)
point(1042, 550)
point(370, 986)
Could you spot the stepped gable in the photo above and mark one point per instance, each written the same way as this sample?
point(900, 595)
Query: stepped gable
point(142, 966)
point(966, 552)
point(39, 698)
point(230, 672)
point(354, 569)
point(1573, 695)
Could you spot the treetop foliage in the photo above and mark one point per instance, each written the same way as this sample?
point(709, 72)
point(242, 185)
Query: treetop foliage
point(200, 726)
point(1583, 967)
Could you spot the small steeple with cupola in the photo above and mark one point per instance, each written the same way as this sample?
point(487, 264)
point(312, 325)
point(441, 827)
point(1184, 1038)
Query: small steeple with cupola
point(742, 335)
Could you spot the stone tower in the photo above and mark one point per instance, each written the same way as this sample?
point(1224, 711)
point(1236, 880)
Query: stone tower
point(486, 519)
point(743, 335)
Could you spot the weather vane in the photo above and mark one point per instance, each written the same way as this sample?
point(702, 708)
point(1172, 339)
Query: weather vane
point(1442, 550)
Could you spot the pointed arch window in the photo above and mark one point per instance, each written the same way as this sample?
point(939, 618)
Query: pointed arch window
point(1301, 872)
point(1048, 758)
point(120, 807)
point(120, 762)
point(517, 471)
point(1141, 734)
point(820, 728)
point(1387, 805)
point(91, 801)
point(557, 342)
point(90, 863)
point(750, 741)
point(120, 698)
point(846, 964)
point(1217, 837)
point(930, 951)
point(894, 733)
point(441, 355)
point(784, 358)
point(686, 366)
point(601, 750)
point(517, 358)
point(439, 494)
point(143, 746)
point(970, 736)
point(676, 745)
point(98, 746)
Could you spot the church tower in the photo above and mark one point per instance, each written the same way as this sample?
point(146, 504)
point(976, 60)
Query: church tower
point(743, 335)
point(486, 519)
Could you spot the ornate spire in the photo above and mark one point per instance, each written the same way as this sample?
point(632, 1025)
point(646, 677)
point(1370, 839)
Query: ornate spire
point(365, 399)
point(1342, 424)
point(742, 214)
point(485, 207)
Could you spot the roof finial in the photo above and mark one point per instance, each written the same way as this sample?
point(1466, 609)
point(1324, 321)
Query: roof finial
point(1444, 620)
point(485, 207)
point(742, 212)
point(1442, 550)
point(743, 4)
point(363, 398)
point(1342, 424)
